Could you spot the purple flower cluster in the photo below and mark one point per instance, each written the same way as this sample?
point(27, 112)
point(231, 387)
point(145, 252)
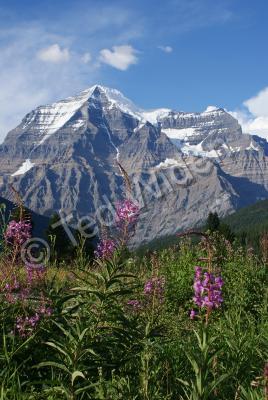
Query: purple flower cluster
point(26, 325)
point(153, 290)
point(207, 290)
point(20, 289)
point(134, 304)
point(11, 289)
point(193, 314)
point(127, 211)
point(105, 249)
point(12, 286)
point(18, 232)
point(35, 272)
point(15, 289)
point(155, 287)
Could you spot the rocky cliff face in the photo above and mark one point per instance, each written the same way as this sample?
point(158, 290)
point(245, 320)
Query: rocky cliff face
point(181, 165)
point(213, 133)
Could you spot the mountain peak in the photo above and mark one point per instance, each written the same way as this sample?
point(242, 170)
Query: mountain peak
point(48, 119)
point(63, 156)
point(116, 99)
point(211, 109)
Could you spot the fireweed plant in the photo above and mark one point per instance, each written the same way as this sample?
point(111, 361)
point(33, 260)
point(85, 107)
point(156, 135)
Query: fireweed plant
point(119, 327)
point(207, 292)
point(126, 217)
point(21, 283)
point(16, 234)
point(127, 213)
point(207, 297)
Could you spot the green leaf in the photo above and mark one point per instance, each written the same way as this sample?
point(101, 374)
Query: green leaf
point(57, 347)
point(53, 364)
point(77, 374)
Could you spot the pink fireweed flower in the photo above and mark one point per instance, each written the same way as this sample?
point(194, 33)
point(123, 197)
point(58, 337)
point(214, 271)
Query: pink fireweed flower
point(127, 212)
point(10, 289)
point(198, 272)
point(155, 287)
point(105, 249)
point(193, 314)
point(18, 232)
point(26, 325)
point(134, 304)
point(35, 272)
point(46, 311)
point(12, 285)
point(207, 289)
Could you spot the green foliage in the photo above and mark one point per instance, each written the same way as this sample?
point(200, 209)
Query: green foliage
point(213, 222)
point(58, 239)
point(249, 224)
point(3, 223)
point(20, 212)
point(96, 346)
point(205, 384)
point(76, 245)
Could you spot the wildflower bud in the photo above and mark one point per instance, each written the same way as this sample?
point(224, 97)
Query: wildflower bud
point(193, 314)
point(134, 304)
point(207, 289)
point(155, 287)
point(18, 232)
point(105, 249)
point(127, 211)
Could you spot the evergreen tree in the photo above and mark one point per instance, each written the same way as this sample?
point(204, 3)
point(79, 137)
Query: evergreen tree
point(85, 237)
point(213, 222)
point(60, 244)
point(226, 231)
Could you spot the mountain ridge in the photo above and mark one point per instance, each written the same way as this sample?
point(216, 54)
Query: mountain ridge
point(65, 157)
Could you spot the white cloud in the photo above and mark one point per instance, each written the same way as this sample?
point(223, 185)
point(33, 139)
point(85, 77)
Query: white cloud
point(258, 105)
point(120, 57)
point(254, 126)
point(86, 58)
point(166, 49)
point(54, 54)
point(27, 82)
point(253, 116)
point(258, 126)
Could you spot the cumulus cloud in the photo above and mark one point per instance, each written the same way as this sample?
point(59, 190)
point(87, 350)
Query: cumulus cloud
point(166, 49)
point(258, 105)
point(27, 81)
point(120, 57)
point(253, 117)
point(65, 67)
point(54, 54)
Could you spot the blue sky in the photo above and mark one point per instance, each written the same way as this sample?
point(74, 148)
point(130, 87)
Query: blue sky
point(182, 54)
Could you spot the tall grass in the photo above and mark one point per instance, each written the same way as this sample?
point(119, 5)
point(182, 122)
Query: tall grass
point(118, 327)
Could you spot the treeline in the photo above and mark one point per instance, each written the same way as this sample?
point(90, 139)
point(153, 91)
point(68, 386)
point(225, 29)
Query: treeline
point(63, 246)
point(248, 227)
point(240, 229)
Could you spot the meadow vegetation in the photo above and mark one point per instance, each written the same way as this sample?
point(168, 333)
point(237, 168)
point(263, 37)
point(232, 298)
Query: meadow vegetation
point(185, 322)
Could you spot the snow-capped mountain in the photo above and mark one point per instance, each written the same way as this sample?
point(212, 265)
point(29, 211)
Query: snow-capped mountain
point(64, 157)
point(208, 134)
